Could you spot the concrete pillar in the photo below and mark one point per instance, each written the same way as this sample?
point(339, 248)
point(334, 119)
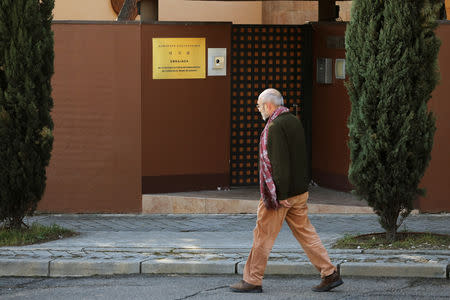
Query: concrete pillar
point(149, 10)
point(327, 10)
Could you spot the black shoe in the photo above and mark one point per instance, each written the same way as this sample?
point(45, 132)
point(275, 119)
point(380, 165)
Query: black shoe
point(244, 287)
point(329, 282)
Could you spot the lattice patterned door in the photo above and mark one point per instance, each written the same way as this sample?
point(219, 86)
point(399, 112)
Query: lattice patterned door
point(264, 56)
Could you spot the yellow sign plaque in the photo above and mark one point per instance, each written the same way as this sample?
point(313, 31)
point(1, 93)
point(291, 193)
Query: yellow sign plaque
point(179, 58)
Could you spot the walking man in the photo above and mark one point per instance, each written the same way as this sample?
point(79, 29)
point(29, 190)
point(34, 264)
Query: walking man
point(284, 192)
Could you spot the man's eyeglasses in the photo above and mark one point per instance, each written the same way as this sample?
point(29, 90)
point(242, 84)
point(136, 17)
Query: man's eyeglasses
point(259, 106)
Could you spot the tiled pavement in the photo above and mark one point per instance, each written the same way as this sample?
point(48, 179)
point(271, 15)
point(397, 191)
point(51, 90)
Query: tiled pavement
point(122, 244)
point(210, 237)
point(333, 223)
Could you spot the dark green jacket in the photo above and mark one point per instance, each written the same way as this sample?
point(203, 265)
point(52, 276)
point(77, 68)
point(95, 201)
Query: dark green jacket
point(287, 153)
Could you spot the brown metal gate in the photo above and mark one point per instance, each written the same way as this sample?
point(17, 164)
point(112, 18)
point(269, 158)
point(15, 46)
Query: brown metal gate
point(264, 56)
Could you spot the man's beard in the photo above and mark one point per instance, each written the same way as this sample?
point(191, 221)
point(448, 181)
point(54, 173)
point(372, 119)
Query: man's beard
point(264, 116)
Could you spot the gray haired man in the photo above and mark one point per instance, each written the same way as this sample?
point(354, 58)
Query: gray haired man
point(284, 193)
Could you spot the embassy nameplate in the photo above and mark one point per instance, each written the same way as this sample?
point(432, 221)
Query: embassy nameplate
point(179, 58)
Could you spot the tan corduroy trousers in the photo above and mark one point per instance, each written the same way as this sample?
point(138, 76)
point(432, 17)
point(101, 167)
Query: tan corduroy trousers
point(268, 225)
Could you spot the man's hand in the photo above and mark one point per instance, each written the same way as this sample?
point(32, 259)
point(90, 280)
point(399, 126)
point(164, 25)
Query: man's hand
point(285, 203)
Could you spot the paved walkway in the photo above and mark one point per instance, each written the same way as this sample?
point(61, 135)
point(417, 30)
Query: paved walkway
point(211, 244)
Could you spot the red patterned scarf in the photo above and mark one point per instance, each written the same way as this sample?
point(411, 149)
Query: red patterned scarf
point(266, 184)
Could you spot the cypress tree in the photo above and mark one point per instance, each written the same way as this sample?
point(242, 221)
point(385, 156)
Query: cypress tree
point(391, 51)
point(26, 67)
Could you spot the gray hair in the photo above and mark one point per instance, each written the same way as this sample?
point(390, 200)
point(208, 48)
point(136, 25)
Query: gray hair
point(271, 95)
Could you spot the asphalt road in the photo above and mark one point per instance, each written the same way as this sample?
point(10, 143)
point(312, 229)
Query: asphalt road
point(216, 287)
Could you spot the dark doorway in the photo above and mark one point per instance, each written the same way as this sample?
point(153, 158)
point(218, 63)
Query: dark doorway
point(264, 56)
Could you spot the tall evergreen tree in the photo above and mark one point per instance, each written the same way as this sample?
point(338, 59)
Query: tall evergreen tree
point(26, 67)
point(391, 54)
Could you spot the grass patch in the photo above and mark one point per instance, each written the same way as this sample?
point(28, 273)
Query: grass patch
point(35, 234)
point(405, 240)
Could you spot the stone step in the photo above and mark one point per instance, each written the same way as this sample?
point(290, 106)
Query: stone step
point(180, 204)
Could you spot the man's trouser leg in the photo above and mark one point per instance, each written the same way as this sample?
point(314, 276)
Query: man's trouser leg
point(268, 225)
point(305, 233)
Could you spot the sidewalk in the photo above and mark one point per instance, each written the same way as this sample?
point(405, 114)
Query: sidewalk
point(212, 244)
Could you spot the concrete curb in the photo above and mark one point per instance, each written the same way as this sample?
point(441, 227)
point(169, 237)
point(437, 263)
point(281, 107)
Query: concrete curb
point(170, 266)
point(91, 267)
point(394, 270)
point(24, 267)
